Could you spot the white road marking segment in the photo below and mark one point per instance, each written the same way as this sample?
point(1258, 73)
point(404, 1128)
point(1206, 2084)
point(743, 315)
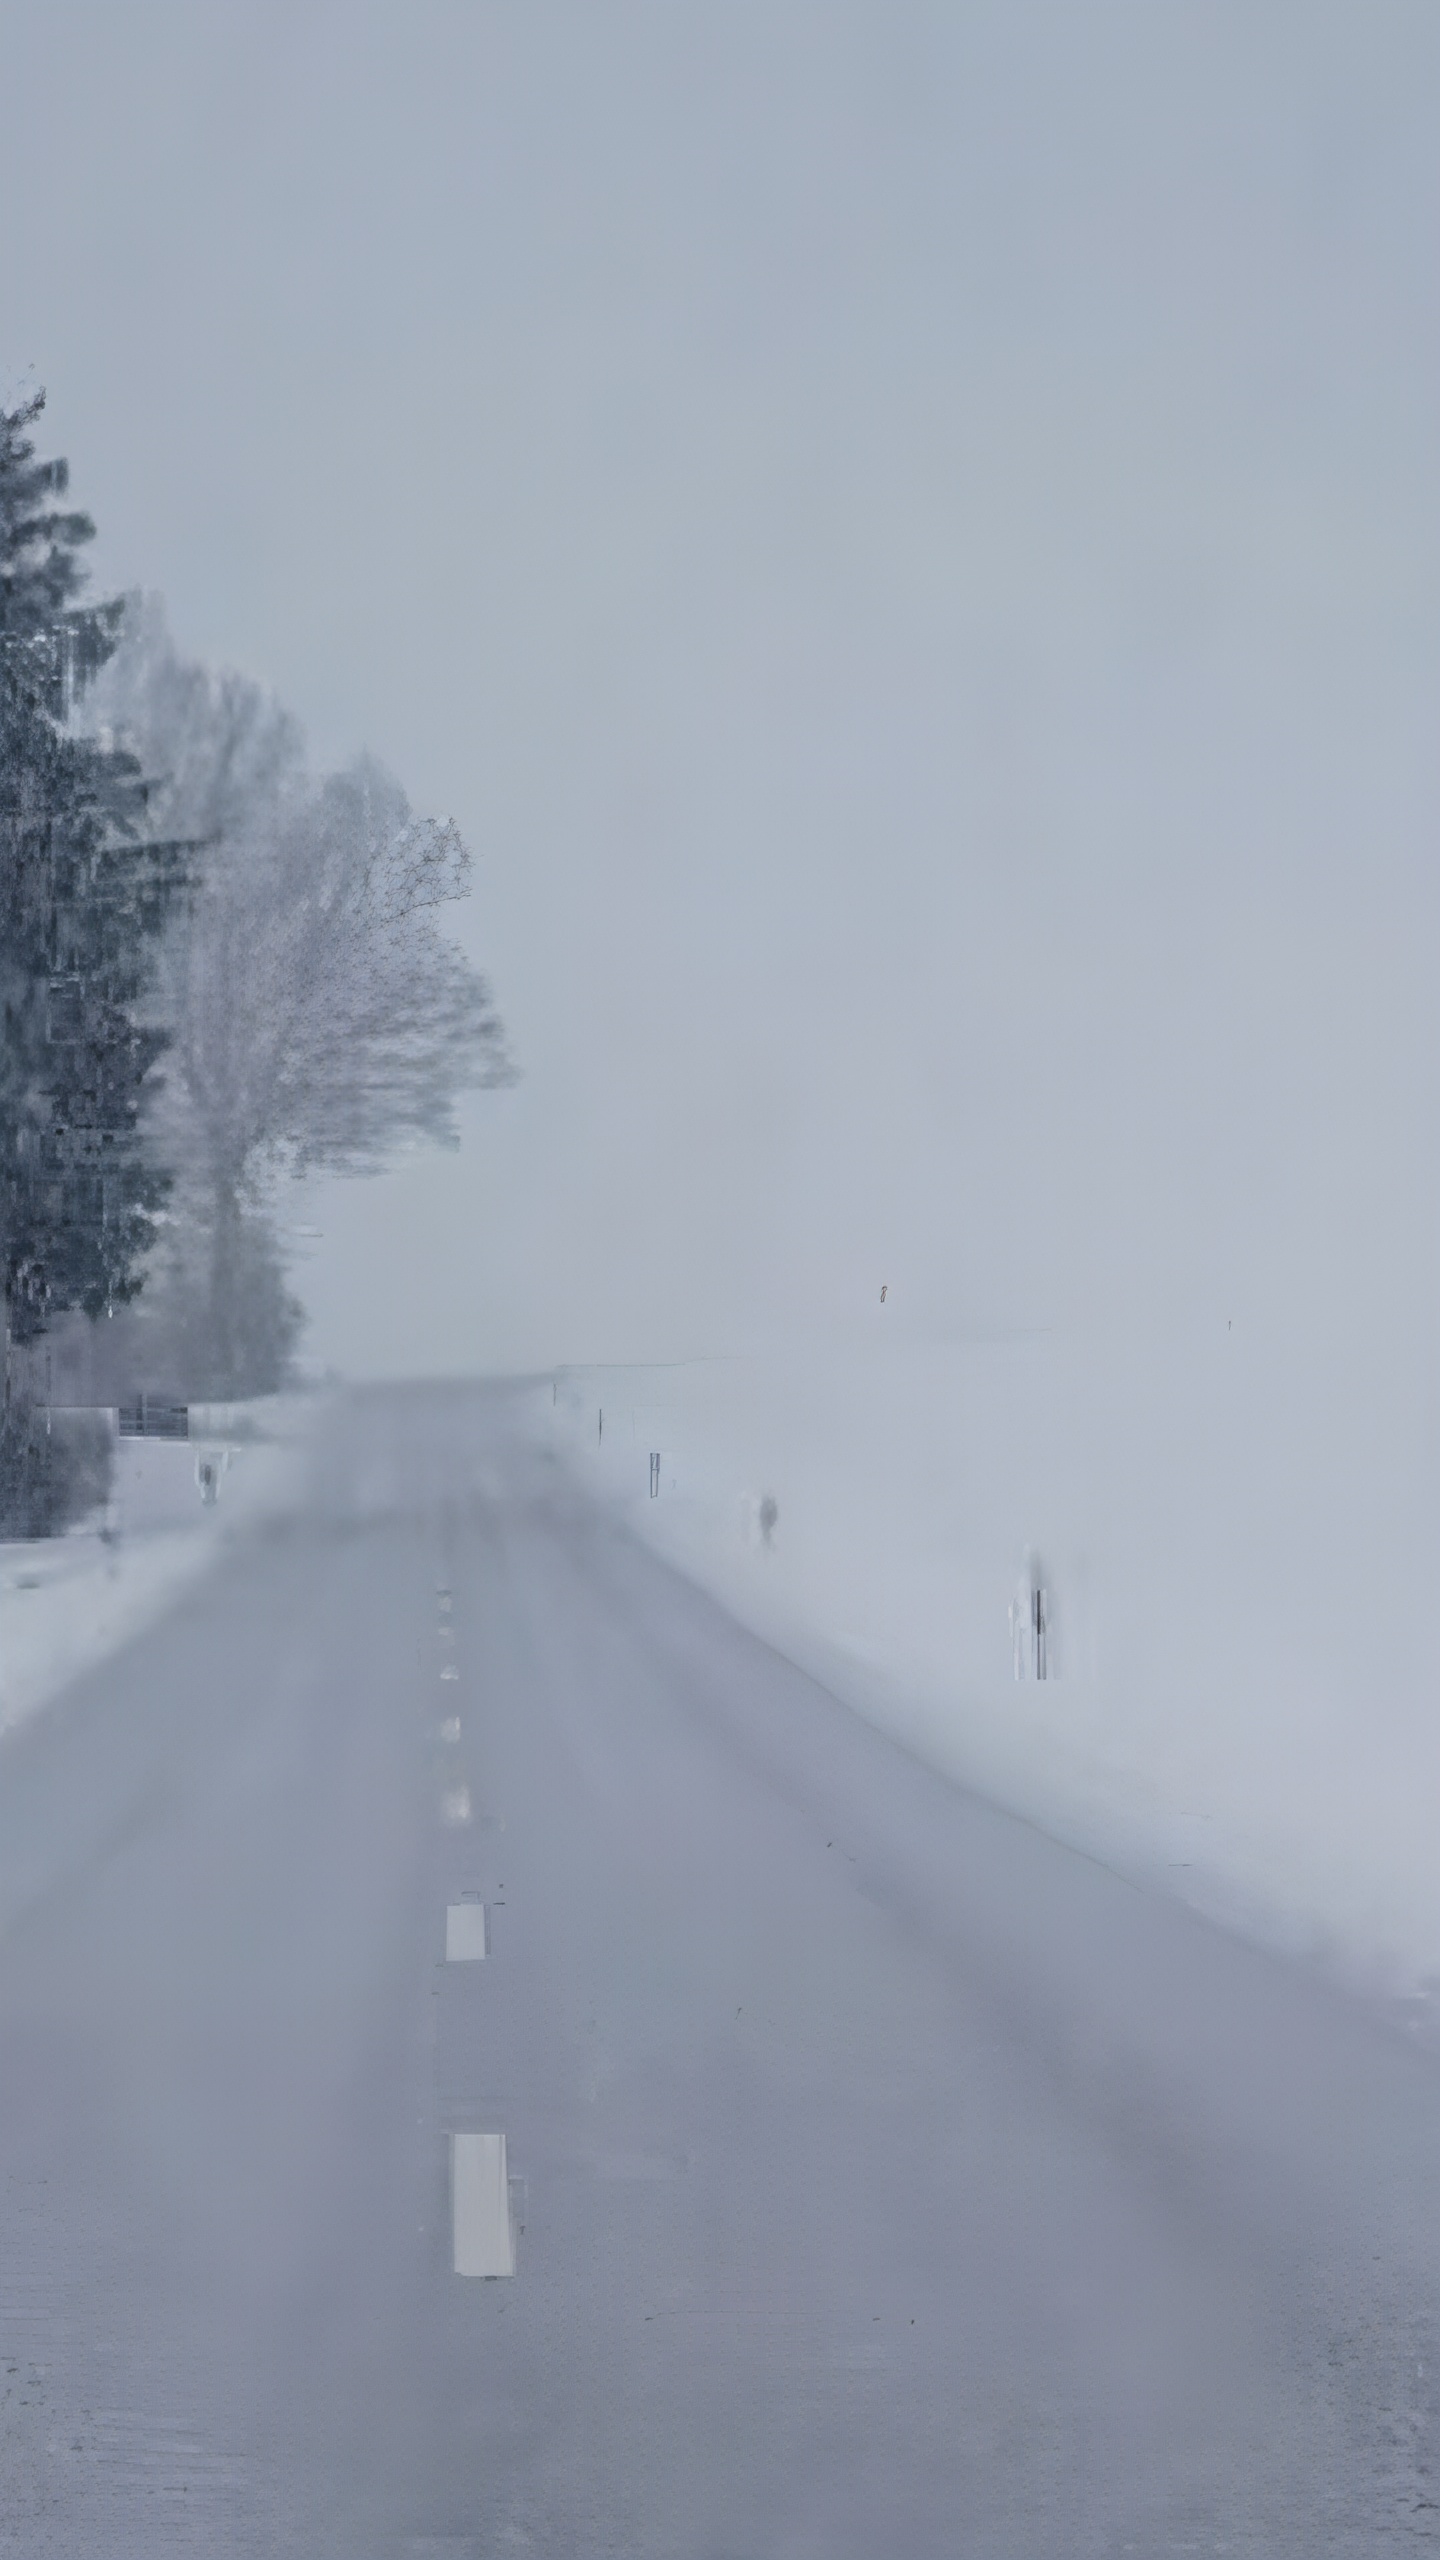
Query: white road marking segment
point(450, 1729)
point(448, 1671)
point(484, 2243)
point(466, 1933)
point(455, 1805)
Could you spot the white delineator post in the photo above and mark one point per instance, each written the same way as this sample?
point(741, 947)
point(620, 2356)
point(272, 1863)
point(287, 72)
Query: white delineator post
point(483, 2237)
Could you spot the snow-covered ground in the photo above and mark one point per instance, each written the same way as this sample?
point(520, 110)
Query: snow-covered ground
point(65, 1603)
point(1236, 1541)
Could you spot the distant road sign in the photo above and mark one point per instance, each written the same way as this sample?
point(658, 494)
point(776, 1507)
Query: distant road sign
point(147, 1419)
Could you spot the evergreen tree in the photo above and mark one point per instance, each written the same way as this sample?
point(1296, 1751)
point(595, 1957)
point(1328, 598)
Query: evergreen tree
point(84, 890)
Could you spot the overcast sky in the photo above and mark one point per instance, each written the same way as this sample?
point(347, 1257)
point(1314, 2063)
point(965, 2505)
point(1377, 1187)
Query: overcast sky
point(907, 538)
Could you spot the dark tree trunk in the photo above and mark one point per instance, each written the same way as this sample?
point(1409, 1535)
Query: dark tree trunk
point(225, 1236)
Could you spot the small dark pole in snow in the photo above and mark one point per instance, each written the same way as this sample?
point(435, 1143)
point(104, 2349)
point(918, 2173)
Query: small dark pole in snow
point(654, 1473)
point(600, 1434)
point(1038, 1620)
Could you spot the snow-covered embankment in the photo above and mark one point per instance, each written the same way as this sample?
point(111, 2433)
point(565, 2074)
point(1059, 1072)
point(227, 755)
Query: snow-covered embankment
point(1235, 1540)
point(66, 1603)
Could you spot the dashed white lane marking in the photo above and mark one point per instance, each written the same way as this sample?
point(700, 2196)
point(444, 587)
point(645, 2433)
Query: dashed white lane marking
point(448, 1671)
point(484, 2243)
point(466, 1934)
point(450, 1729)
point(455, 1805)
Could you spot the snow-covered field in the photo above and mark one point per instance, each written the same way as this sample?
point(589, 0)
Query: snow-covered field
point(65, 1603)
point(1235, 1538)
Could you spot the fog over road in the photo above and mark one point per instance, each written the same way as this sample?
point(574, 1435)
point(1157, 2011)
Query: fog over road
point(886, 2178)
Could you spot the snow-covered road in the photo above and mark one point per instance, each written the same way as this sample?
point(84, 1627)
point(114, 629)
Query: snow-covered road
point(884, 2177)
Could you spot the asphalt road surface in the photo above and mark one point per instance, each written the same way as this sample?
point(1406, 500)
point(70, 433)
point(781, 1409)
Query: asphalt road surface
point(883, 2178)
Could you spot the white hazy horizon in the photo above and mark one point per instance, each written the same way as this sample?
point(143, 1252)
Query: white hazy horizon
point(907, 540)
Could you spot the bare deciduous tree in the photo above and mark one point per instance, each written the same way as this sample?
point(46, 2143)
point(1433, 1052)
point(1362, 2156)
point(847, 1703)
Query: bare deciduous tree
point(320, 1016)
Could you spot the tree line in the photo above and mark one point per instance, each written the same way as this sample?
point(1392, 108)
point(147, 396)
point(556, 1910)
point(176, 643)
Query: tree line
point(216, 968)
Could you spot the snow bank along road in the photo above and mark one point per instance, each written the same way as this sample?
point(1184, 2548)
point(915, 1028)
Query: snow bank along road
point(876, 2177)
